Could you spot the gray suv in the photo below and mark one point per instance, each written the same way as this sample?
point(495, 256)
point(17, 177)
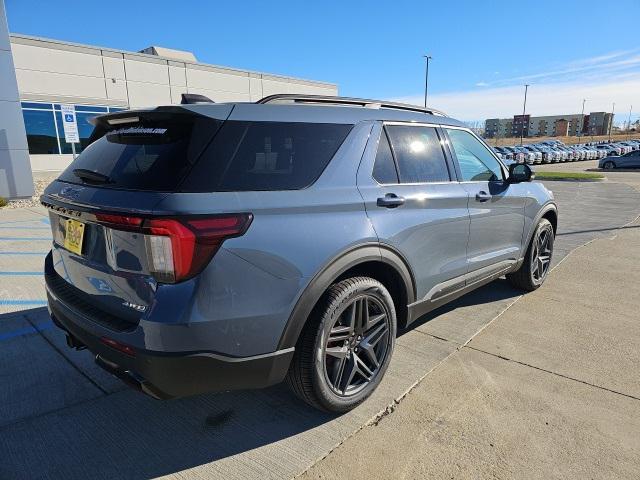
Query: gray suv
point(209, 247)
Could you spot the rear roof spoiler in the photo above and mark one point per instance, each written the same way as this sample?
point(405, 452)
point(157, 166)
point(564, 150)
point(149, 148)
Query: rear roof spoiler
point(191, 98)
point(111, 121)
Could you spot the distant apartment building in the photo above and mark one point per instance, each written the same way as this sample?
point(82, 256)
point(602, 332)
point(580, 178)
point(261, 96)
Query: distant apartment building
point(595, 123)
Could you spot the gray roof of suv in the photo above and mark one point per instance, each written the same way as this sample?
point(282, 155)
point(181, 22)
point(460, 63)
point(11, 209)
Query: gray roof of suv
point(303, 112)
point(328, 114)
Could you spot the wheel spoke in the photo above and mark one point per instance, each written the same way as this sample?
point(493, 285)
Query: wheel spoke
point(349, 371)
point(374, 336)
point(340, 332)
point(337, 352)
point(362, 368)
point(368, 343)
point(373, 321)
point(534, 266)
point(338, 371)
point(362, 318)
point(353, 314)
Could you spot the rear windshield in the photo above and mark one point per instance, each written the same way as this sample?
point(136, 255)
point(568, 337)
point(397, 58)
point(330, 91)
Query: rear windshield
point(145, 156)
point(247, 156)
point(205, 155)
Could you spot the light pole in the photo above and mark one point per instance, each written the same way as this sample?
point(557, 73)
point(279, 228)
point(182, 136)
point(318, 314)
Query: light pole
point(613, 109)
point(524, 110)
point(629, 123)
point(582, 118)
point(426, 79)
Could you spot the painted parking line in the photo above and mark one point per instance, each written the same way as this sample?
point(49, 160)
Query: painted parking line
point(23, 253)
point(14, 227)
point(9, 274)
point(29, 303)
point(26, 239)
point(30, 330)
point(10, 222)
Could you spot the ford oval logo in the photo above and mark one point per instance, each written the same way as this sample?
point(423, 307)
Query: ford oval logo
point(71, 192)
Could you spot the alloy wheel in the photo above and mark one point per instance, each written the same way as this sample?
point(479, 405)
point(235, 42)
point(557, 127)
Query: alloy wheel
point(357, 345)
point(541, 254)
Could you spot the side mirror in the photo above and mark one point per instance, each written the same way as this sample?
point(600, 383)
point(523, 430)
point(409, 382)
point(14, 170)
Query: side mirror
point(520, 172)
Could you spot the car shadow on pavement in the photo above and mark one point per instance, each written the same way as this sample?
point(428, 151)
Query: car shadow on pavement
point(65, 420)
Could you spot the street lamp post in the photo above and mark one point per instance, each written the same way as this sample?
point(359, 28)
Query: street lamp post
point(613, 109)
point(582, 118)
point(524, 110)
point(426, 79)
point(629, 123)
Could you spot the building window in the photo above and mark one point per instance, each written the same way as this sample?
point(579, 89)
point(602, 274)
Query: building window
point(42, 136)
point(41, 131)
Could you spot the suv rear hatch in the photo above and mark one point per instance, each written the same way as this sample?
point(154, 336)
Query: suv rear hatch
point(111, 246)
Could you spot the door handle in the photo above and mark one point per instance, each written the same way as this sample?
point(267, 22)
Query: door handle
point(483, 196)
point(390, 200)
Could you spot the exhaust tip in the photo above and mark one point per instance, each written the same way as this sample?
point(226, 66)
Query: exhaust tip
point(73, 342)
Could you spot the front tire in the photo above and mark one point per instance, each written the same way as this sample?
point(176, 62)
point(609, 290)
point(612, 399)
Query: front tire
point(346, 346)
point(533, 271)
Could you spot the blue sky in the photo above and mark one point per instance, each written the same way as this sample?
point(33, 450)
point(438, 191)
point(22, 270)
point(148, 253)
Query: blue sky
point(482, 51)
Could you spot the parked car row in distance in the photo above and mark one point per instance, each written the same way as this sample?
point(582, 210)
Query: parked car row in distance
point(554, 151)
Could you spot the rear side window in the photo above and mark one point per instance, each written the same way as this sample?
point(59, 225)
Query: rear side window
point(384, 168)
point(154, 155)
point(246, 156)
point(418, 153)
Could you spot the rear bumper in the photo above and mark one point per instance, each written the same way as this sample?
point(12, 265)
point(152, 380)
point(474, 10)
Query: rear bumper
point(168, 375)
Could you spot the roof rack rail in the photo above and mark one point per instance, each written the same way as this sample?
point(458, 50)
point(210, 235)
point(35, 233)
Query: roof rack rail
point(363, 102)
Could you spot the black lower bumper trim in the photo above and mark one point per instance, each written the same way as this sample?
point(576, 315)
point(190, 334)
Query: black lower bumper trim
point(168, 375)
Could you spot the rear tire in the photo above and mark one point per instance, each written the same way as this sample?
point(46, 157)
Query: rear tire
point(345, 347)
point(609, 165)
point(533, 271)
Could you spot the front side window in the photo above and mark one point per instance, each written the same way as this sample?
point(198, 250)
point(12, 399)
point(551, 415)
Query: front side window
point(476, 163)
point(418, 154)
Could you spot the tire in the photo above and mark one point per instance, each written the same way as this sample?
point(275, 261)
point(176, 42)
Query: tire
point(317, 376)
point(535, 268)
point(609, 165)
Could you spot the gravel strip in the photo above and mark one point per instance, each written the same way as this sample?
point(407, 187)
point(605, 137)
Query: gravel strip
point(39, 186)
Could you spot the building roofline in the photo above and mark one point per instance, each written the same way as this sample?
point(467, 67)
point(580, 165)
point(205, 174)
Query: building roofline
point(98, 50)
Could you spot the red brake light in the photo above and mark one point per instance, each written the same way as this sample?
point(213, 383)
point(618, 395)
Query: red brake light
point(193, 241)
point(119, 220)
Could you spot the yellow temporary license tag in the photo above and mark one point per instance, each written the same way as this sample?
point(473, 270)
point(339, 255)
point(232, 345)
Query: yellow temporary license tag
point(74, 233)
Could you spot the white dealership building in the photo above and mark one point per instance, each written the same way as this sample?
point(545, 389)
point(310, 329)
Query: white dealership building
point(39, 75)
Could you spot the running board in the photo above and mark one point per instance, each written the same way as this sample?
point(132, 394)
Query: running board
point(448, 291)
